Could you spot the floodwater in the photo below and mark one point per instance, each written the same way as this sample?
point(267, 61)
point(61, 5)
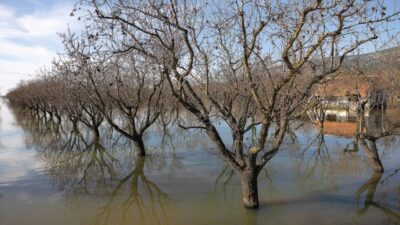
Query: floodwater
point(52, 175)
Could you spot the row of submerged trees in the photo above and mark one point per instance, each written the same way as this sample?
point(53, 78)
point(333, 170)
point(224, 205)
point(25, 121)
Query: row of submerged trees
point(252, 64)
point(98, 168)
point(90, 93)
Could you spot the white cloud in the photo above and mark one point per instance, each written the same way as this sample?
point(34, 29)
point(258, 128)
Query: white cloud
point(45, 24)
point(30, 41)
point(6, 12)
point(8, 27)
point(17, 52)
point(35, 25)
point(12, 72)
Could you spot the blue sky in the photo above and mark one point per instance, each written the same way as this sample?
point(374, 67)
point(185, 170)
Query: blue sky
point(28, 36)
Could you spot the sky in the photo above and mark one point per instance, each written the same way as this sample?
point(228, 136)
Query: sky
point(28, 36)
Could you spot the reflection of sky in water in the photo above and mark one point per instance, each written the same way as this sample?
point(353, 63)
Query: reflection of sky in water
point(16, 161)
point(46, 186)
point(21, 176)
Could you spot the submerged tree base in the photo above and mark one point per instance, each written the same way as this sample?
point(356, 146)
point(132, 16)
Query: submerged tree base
point(248, 180)
point(251, 205)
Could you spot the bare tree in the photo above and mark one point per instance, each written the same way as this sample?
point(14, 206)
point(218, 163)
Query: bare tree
point(126, 89)
point(242, 61)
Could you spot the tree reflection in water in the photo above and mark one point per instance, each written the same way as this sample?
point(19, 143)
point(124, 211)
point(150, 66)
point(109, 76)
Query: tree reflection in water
point(106, 168)
point(378, 127)
point(78, 162)
point(317, 158)
point(369, 188)
point(136, 201)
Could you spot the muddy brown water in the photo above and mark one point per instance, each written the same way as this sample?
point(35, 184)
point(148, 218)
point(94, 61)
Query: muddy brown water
point(61, 176)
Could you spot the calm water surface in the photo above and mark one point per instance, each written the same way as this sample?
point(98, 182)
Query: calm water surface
point(53, 175)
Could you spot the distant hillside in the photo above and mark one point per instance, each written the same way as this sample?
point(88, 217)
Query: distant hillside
point(375, 59)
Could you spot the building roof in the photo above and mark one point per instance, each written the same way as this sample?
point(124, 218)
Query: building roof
point(342, 87)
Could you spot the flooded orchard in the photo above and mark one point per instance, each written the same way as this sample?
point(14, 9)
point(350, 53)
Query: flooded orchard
point(54, 173)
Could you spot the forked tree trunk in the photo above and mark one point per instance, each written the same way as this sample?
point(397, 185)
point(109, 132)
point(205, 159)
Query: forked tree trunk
point(248, 179)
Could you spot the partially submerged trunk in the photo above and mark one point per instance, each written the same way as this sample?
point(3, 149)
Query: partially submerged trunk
point(367, 145)
point(372, 153)
point(248, 179)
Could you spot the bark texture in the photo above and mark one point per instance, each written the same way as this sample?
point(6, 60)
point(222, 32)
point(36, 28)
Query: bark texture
point(248, 180)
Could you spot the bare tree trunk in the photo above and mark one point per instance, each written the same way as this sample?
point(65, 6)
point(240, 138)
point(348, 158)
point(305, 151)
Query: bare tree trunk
point(139, 145)
point(59, 119)
point(44, 115)
point(248, 179)
point(74, 125)
point(372, 153)
point(369, 146)
point(96, 132)
point(361, 115)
